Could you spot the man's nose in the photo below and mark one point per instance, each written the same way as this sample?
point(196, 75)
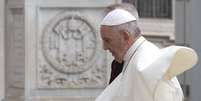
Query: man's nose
point(105, 46)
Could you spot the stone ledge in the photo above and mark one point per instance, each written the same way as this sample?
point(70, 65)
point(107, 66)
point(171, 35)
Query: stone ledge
point(157, 27)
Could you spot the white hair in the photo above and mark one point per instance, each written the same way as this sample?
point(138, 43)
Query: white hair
point(130, 27)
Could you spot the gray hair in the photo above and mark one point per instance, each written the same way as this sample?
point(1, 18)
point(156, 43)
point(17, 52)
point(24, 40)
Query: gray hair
point(130, 27)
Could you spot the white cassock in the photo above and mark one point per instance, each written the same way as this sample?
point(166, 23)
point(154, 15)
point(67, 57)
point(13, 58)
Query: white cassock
point(149, 73)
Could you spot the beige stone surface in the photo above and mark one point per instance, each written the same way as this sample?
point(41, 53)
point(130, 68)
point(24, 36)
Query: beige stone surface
point(157, 27)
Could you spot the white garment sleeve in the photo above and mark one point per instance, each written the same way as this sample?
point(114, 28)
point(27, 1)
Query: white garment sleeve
point(183, 59)
point(170, 62)
point(167, 90)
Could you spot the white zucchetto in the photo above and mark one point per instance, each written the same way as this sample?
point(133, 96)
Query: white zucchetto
point(117, 17)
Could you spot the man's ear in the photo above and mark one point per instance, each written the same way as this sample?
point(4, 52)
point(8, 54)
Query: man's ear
point(125, 34)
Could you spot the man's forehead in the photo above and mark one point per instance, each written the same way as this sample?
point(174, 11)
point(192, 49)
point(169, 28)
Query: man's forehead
point(106, 29)
point(108, 32)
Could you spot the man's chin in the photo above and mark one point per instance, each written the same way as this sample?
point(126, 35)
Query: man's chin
point(118, 60)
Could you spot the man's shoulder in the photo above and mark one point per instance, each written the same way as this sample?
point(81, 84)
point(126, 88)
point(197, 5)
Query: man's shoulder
point(149, 47)
point(146, 54)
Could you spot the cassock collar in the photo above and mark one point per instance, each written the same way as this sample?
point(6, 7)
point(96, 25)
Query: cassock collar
point(133, 48)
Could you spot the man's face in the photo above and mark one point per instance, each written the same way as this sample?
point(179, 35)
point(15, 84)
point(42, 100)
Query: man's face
point(113, 41)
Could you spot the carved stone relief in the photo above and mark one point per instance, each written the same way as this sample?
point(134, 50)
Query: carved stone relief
point(69, 55)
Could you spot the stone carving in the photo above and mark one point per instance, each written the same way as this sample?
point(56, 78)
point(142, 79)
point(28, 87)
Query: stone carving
point(69, 48)
point(95, 78)
point(72, 46)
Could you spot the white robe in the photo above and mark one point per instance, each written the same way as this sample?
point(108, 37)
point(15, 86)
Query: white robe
point(147, 74)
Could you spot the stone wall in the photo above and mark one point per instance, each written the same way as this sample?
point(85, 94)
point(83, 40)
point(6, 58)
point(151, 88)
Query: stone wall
point(2, 52)
point(15, 50)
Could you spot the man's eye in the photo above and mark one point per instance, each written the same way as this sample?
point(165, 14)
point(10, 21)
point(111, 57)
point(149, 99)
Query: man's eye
point(106, 40)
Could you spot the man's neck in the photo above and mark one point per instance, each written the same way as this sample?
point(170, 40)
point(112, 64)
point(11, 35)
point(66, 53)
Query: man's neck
point(130, 44)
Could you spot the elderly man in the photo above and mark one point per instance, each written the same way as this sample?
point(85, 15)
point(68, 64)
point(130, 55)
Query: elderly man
point(148, 72)
point(116, 67)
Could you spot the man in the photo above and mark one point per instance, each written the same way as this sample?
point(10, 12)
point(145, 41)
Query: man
point(116, 67)
point(148, 72)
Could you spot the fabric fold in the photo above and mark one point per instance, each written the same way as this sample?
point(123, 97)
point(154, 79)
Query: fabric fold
point(170, 62)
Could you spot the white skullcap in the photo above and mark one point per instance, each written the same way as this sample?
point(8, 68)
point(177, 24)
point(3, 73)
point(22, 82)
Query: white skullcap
point(117, 17)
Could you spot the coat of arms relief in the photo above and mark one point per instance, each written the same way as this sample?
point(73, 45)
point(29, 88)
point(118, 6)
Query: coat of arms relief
point(70, 55)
